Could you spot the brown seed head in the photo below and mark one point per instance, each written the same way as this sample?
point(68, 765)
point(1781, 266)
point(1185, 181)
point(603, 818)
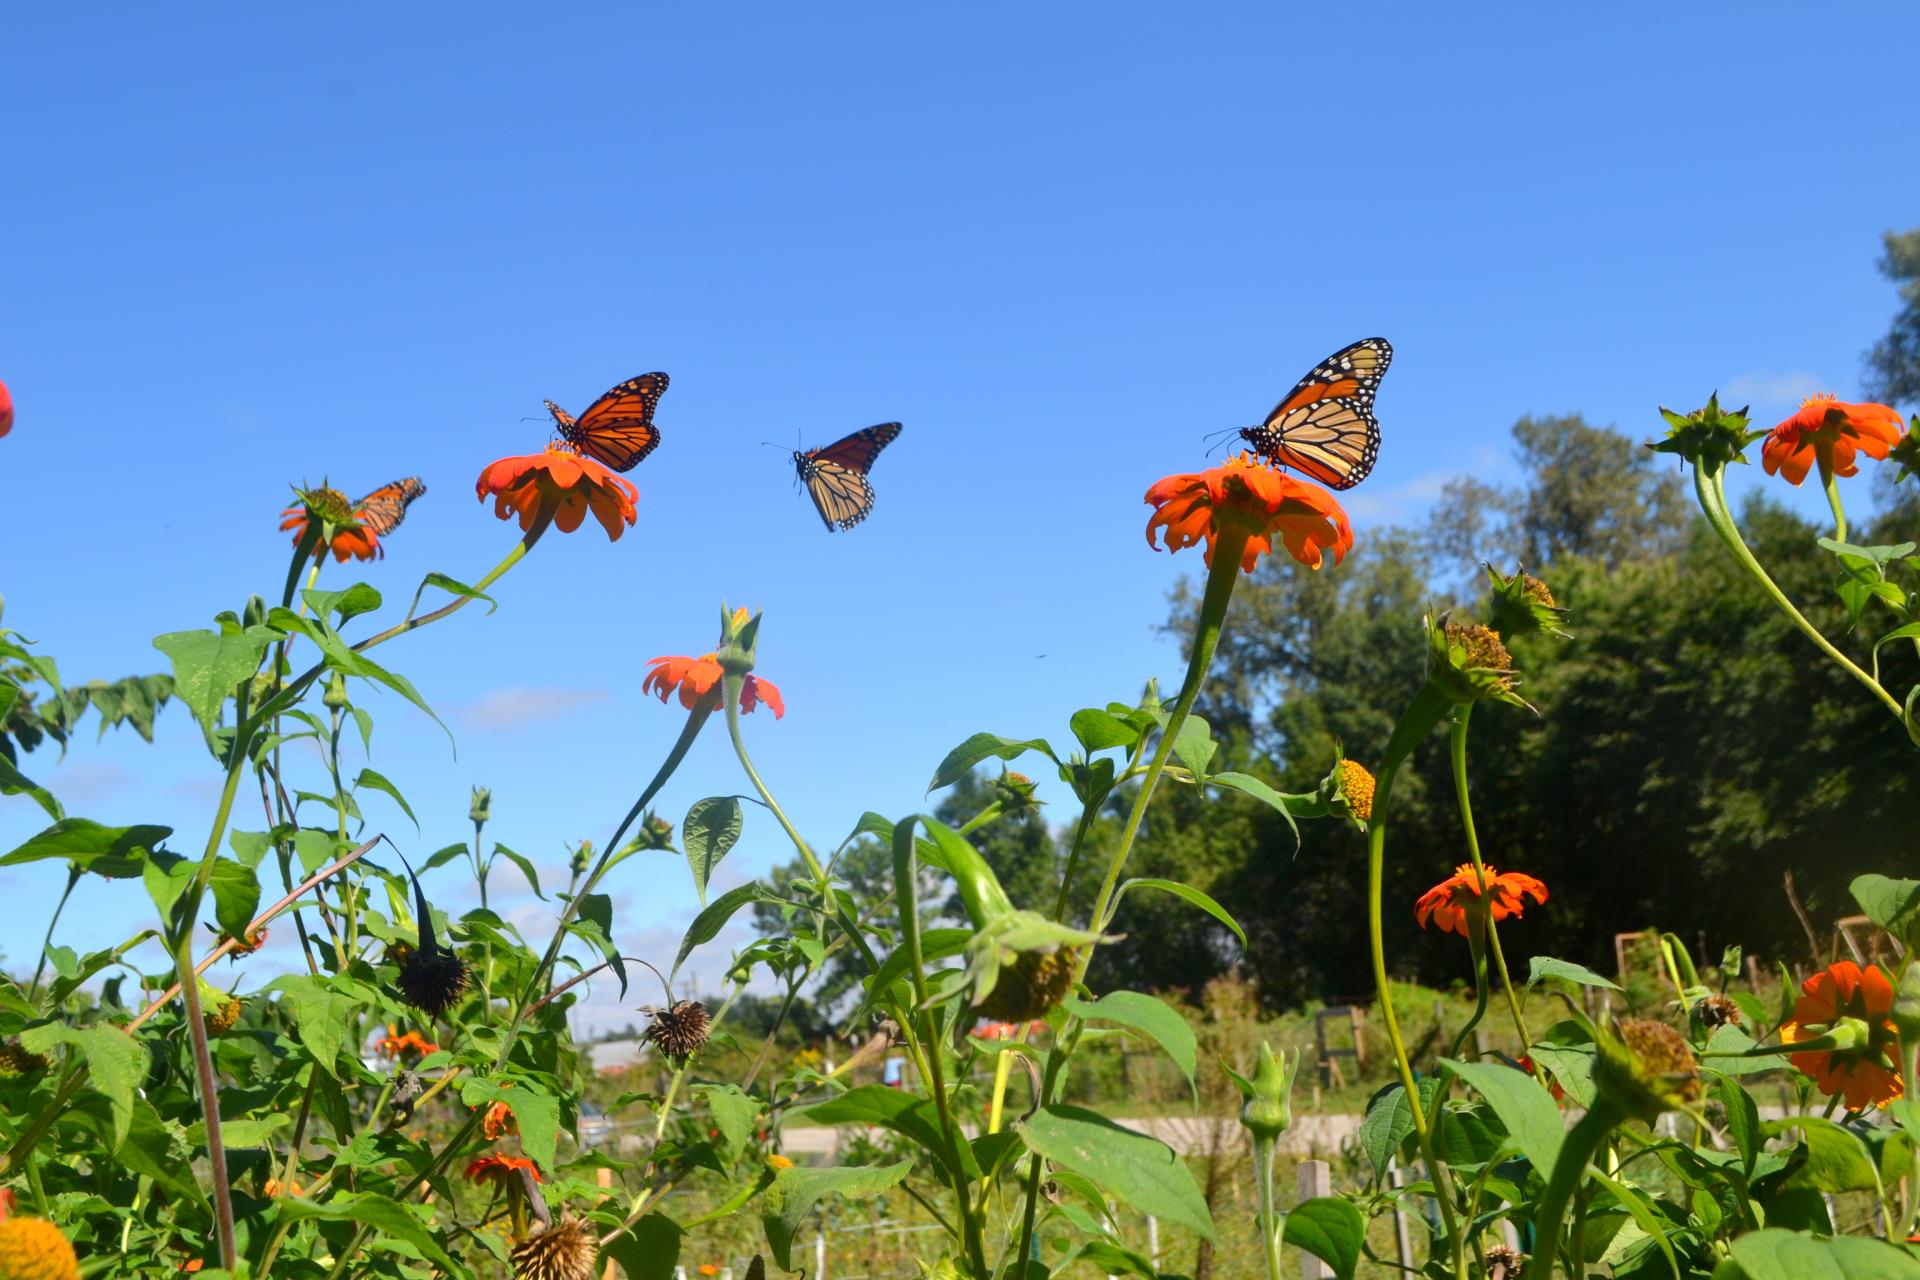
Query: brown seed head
point(221, 1018)
point(680, 1030)
point(1504, 1262)
point(1483, 645)
point(566, 1250)
point(1032, 986)
point(431, 981)
point(16, 1061)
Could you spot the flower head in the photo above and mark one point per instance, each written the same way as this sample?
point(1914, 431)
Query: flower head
point(1356, 788)
point(351, 539)
point(1829, 431)
point(1712, 436)
point(1854, 1005)
point(34, 1249)
point(563, 484)
point(566, 1250)
point(498, 1120)
point(680, 1030)
point(1467, 662)
point(432, 980)
point(693, 677)
point(496, 1170)
point(1031, 985)
point(1645, 1069)
point(392, 1045)
point(1454, 902)
point(275, 1187)
point(221, 1014)
point(1247, 499)
point(1522, 605)
point(17, 1060)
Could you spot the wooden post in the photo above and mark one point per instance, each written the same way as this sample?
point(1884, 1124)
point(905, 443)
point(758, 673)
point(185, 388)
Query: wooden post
point(604, 1176)
point(1359, 1017)
point(1402, 1238)
point(1316, 1179)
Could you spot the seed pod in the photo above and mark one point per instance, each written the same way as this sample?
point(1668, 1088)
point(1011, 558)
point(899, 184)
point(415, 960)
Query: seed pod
point(433, 977)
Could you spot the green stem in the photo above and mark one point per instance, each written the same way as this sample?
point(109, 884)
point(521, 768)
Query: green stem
point(46, 944)
point(1221, 576)
point(1479, 952)
point(1263, 1152)
point(1459, 748)
point(1575, 1154)
point(1713, 501)
point(1427, 709)
point(1831, 483)
point(731, 701)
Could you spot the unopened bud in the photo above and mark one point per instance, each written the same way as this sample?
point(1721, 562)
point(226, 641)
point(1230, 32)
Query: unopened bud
point(1268, 1110)
point(480, 809)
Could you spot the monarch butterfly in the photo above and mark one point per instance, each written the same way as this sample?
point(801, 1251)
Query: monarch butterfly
point(384, 508)
point(1325, 427)
point(836, 476)
point(616, 429)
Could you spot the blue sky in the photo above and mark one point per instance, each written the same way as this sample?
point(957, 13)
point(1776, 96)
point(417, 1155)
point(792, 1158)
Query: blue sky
point(245, 247)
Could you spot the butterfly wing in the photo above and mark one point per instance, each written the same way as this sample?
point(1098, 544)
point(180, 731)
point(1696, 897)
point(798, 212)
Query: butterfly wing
point(384, 508)
point(836, 476)
point(1325, 427)
point(616, 429)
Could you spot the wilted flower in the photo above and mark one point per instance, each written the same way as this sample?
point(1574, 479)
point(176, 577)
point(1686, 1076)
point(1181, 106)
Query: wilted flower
point(392, 1045)
point(1504, 1262)
point(1646, 1069)
point(498, 1170)
point(498, 1120)
point(1031, 985)
point(1454, 902)
point(221, 1014)
point(1829, 432)
point(431, 977)
point(1717, 1011)
point(1247, 499)
point(1854, 1006)
point(562, 483)
point(680, 1030)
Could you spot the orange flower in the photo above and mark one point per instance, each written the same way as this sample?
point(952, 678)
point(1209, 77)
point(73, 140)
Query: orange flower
point(275, 1187)
point(564, 483)
point(1829, 431)
point(1453, 901)
point(392, 1046)
point(1526, 1063)
point(498, 1120)
point(1848, 1002)
point(497, 1169)
point(1244, 498)
point(351, 539)
point(709, 1269)
point(6, 409)
point(694, 676)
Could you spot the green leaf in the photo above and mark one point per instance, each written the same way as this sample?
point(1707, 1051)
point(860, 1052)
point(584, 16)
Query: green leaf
point(236, 896)
point(14, 783)
point(1837, 1160)
point(321, 1016)
point(115, 852)
point(1100, 730)
point(1112, 1260)
point(1150, 1017)
point(1743, 1120)
point(1194, 744)
point(1773, 1254)
point(733, 1113)
point(341, 657)
point(870, 824)
point(520, 861)
point(1567, 1051)
point(1547, 967)
point(710, 921)
point(166, 880)
point(1892, 904)
point(1189, 894)
point(117, 1064)
point(1523, 1105)
point(452, 587)
point(795, 1191)
point(377, 1210)
point(1644, 1214)
point(1387, 1124)
point(651, 1251)
point(984, 746)
point(1723, 1050)
point(348, 603)
point(536, 1111)
point(711, 828)
point(1140, 1170)
point(935, 944)
point(906, 1114)
point(208, 664)
point(594, 922)
point(1247, 784)
point(369, 778)
point(1329, 1228)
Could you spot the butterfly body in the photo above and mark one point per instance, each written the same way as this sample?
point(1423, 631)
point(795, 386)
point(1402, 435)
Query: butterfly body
point(1325, 427)
point(384, 508)
point(617, 429)
point(836, 476)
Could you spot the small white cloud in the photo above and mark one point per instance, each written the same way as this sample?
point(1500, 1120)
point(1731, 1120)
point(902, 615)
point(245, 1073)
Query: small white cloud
point(505, 709)
point(1774, 390)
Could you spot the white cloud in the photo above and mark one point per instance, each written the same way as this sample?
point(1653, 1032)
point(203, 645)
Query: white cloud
point(516, 708)
point(1774, 390)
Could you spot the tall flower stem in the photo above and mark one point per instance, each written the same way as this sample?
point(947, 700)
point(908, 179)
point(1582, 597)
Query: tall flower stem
point(1831, 483)
point(1583, 1140)
point(1427, 709)
point(1459, 752)
point(1263, 1162)
point(731, 700)
point(1710, 488)
point(1221, 576)
point(46, 943)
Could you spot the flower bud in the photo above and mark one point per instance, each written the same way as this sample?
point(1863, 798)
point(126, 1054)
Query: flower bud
point(1521, 605)
point(582, 855)
point(1710, 435)
point(335, 698)
point(1646, 1069)
point(480, 808)
point(739, 640)
point(656, 832)
point(1015, 792)
point(1268, 1110)
point(1905, 454)
point(1467, 662)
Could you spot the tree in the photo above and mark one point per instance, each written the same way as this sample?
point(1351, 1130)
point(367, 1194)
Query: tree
point(1893, 364)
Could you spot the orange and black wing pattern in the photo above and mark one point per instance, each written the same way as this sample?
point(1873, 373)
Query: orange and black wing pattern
point(836, 476)
point(384, 508)
point(1325, 428)
point(616, 429)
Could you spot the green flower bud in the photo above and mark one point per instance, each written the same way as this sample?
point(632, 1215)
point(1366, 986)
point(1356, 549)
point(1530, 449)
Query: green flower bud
point(480, 809)
point(582, 853)
point(336, 695)
point(1268, 1110)
point(739, 640)
point(656, 832)
point(1710, 435)
point(1905, 454)
point(1521, 605)
point(1015, 792)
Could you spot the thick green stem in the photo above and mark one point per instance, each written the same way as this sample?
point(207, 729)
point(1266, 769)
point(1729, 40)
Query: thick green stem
point(1477, 946)
point(1427, 709)
point(1459, 747)
point(1221, 576)
point(1263, 1153)
point(1711, 491)
point(1575, 1154)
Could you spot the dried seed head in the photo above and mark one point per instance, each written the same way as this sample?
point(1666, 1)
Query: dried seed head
point(407, 1089)
point(1718, 1011)
point(565, 1251)
point(431, 980)
point(221, 1016)
point(17, 1061)
point(1649, 1069)
point(1031, 986)
point(1504, 1262)
point(680, 1030)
